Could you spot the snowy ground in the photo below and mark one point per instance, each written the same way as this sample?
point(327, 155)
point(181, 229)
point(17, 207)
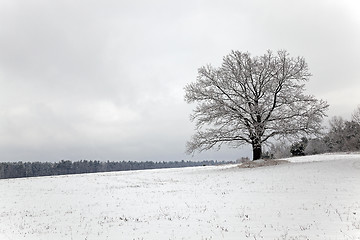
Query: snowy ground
point(319, 199)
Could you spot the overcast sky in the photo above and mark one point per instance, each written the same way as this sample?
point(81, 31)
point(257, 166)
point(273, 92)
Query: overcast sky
point(104, 79)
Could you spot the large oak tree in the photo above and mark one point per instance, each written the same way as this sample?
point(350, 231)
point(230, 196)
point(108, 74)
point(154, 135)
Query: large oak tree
point(248, 100)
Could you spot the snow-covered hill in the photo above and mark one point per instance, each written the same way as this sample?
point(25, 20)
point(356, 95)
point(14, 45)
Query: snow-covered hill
point(310, 199)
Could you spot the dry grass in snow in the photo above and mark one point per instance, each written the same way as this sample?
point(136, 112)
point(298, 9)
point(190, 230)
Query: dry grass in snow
point(316, 197)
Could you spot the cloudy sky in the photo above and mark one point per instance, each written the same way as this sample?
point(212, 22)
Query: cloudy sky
point(104, 79)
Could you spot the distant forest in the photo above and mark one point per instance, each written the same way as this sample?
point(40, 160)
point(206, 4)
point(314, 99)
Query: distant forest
point(64, 167)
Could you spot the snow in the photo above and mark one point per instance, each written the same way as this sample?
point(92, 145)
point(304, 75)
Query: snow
point(315, 197)
point(325, 157)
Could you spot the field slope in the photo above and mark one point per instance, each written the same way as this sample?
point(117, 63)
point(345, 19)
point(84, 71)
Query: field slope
point(309, 198)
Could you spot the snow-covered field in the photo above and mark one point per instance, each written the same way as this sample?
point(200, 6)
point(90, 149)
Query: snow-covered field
point(319, 199)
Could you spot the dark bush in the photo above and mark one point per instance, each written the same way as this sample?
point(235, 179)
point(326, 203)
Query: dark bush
point(298, 148)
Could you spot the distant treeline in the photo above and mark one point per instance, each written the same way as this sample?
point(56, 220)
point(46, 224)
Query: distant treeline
point(64, 167)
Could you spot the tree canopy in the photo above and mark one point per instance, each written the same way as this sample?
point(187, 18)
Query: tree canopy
point(248, 100)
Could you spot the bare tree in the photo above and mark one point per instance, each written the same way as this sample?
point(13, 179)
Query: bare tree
point(356, 115)
point(249, 100)
point(343, 135)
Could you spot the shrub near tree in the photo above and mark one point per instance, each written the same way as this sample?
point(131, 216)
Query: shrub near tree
point(280, 149)
point(298, 148)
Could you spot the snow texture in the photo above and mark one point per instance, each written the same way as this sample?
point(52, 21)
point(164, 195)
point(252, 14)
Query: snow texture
point(309, 198)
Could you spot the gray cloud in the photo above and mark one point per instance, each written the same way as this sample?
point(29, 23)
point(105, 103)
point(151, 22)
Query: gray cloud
point(104, 80)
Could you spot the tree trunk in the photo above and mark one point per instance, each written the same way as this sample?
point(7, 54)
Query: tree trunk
point(257, 152)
